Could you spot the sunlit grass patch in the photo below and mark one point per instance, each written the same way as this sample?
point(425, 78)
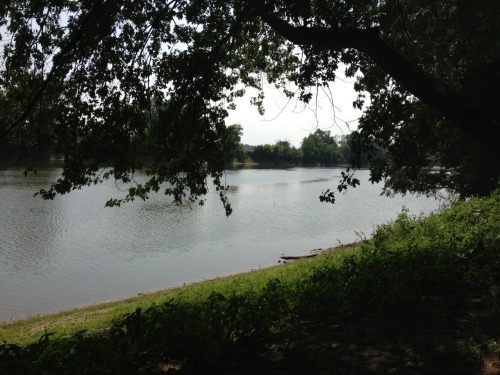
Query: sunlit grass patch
point(101, 316)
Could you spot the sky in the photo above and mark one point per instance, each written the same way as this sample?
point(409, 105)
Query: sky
point(291, 121)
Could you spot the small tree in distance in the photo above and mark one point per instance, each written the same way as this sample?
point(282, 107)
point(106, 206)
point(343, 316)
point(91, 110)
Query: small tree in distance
point(320, 148)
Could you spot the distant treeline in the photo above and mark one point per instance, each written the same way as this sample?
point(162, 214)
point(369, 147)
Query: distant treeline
point(320, 148)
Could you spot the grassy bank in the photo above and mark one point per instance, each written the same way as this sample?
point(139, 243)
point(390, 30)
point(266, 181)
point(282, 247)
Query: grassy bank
point(99, 317)
point(422, 296)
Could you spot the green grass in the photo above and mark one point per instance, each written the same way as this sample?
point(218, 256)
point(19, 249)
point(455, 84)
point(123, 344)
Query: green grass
point(421, 296)
point(101, 316)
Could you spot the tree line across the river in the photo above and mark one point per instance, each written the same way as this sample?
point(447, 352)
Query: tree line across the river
point(319, 148)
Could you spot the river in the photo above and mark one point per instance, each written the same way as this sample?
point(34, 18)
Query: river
point(73, 251)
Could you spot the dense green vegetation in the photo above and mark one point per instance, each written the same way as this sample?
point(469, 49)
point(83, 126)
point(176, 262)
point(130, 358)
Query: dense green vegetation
point(421, 296)
point(319, 148)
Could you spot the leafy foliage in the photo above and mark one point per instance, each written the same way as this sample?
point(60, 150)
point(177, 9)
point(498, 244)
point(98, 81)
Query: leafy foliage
point(280, 152)
point(458, 46)
point(88, 78)
point(320, 148)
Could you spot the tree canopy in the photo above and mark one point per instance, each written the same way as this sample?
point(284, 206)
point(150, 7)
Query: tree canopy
point(320, 147)
point(92, 76)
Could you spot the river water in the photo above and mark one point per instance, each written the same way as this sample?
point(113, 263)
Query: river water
point(73, 251)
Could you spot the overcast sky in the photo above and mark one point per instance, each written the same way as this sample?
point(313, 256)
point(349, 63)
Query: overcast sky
point(293, 122)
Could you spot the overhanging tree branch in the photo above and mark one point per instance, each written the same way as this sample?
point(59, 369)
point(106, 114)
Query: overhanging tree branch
point(58, 61)
point(472, 120)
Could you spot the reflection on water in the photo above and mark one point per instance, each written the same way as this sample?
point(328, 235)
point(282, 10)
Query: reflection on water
point(72, 251)
point(316, 180)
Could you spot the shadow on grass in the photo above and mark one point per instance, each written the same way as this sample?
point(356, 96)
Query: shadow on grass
point(419, 342)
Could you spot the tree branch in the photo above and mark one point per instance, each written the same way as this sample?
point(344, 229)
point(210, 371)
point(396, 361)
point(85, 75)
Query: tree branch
point(58, 60)
point(458, 109)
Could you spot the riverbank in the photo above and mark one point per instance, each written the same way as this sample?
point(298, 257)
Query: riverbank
point(98, 317)
point(421, 296)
